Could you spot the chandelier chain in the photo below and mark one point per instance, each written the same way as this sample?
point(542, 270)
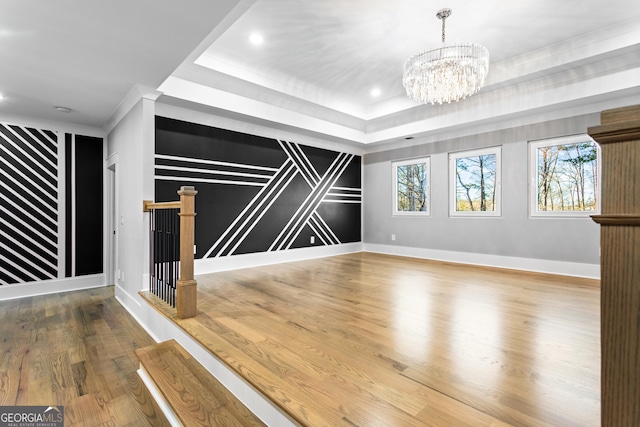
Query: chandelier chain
point(443, 14)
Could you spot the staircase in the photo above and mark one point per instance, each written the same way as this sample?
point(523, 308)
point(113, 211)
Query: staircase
point(188, 394)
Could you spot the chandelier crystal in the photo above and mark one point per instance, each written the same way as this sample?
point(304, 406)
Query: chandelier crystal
point(450, 73)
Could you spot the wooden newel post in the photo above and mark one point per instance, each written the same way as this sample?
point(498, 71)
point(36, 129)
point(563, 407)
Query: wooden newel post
point(619, 138)
point(186, 290)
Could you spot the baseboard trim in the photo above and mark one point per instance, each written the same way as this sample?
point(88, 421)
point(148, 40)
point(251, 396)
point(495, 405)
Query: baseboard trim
point(591, 271)
point(235, 262)
point(120, 292)
point(45, 287)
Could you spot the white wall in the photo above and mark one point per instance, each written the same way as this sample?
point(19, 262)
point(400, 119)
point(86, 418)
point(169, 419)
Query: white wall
point(513, 240)
point(129, 143)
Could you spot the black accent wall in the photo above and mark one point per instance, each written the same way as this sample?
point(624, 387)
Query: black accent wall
point(258, 194)
point(68, 203)
point(34, 209)
point(89, 201)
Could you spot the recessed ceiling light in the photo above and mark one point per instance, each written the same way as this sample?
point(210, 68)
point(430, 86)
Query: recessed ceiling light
point(375, 92)
point(256, 39)
point(62, 109)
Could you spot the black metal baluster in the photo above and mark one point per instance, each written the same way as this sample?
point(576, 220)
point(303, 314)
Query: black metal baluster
point(161, 271)
point(151, 251)
point(176, 253)
point(157, 253)
point(158, 273)
point(171, 259)
point(164, 256)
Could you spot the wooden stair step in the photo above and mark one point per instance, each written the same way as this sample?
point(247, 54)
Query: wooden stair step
point(196, 397)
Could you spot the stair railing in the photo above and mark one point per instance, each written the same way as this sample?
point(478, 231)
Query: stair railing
point(171, 250)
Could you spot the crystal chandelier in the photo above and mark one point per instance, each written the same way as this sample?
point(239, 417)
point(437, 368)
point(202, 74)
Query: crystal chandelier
point(450, 73)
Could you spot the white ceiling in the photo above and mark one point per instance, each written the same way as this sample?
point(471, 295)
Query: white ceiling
point(319, 61)
point(87, 55)
point(345, 48)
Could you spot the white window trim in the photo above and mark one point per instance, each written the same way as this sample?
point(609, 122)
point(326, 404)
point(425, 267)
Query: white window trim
point(452, 182)
point(533, 178)
point(394, 186)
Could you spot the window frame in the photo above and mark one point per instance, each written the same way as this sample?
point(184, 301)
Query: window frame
point(394, 183)
point(453, 156)
point(533, 177)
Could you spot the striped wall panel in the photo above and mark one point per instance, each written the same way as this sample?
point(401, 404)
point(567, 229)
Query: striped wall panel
point(29, 211)
point(50, 205)
point(258, 194)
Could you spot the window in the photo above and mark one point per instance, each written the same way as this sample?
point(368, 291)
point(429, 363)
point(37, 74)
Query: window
point(475, 182)
point(565, 176)
point(411, 187)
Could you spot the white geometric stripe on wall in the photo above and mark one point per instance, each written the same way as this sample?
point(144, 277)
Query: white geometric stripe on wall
point(273, 182)
point(320, 187)
point(29, 213)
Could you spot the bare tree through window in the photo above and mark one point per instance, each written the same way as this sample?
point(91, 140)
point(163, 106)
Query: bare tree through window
point(475, 180)
point(566, 175)
point(411, 186)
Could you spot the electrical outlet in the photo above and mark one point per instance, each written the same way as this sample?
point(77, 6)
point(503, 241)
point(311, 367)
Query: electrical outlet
point(393, 237)
point(122, 277)
point(313, 239)
point(118, 274)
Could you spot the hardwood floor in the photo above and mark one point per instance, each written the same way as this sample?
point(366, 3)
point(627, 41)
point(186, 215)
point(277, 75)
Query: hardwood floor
point(360, 339)
point(75, 350)
point(374, 340)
